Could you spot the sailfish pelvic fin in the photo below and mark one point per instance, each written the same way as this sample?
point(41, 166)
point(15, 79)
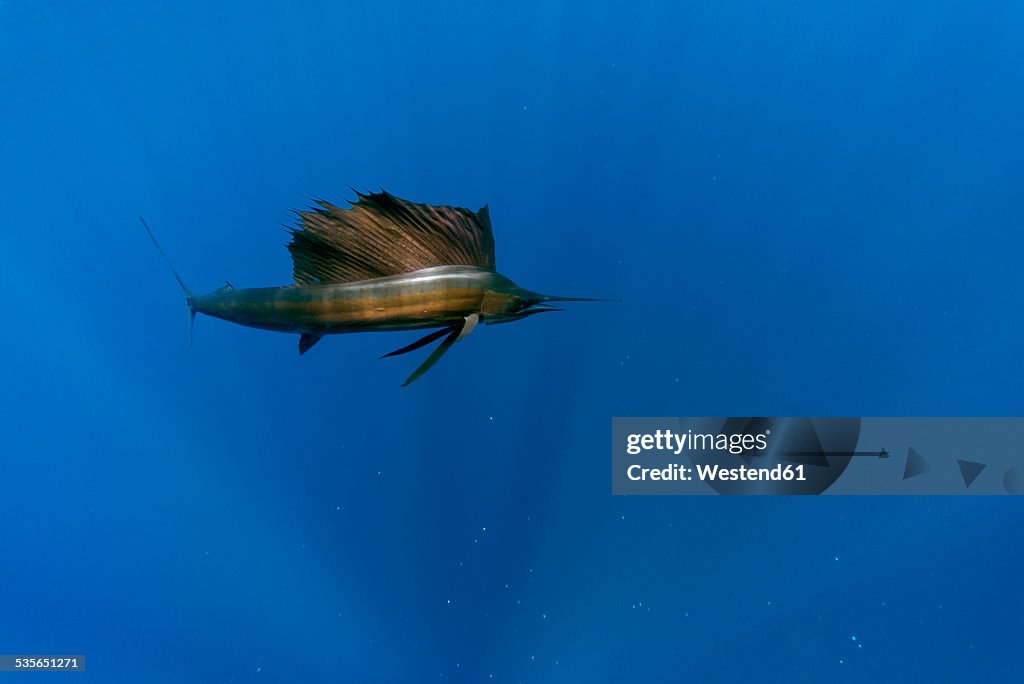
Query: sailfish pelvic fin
point(454, 335)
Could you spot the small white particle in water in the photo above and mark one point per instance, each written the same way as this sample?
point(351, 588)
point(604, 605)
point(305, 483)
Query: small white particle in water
point(853, 638)
point(836, 558)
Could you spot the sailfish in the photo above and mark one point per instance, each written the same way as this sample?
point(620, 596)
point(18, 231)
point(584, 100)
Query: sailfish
point(382, 264)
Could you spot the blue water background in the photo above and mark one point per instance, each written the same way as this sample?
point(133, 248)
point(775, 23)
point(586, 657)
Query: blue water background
point(808, 209)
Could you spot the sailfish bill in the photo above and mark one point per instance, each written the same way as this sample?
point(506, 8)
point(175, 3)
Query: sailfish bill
point(382, 264)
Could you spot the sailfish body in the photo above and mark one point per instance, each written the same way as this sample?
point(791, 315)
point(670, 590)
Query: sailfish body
point(427, 298)
point(382, 264)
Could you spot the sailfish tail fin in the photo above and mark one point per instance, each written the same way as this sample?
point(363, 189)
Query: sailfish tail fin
point(189, 295)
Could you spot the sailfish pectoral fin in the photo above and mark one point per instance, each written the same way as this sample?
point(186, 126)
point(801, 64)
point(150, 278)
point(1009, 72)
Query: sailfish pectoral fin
point(454, 335)
point(471, 321)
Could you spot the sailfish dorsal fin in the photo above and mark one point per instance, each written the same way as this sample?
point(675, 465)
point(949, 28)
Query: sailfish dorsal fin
point(381, 235)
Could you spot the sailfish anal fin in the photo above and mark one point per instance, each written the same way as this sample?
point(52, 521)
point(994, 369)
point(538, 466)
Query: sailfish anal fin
point(306, 342)
point(454, 335)
point(381, 235)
